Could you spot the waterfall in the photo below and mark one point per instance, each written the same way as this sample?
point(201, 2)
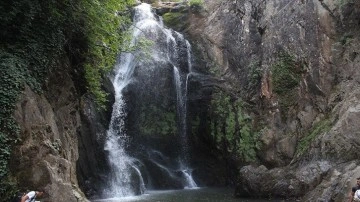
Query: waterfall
point(181, 83)
point(124, 167)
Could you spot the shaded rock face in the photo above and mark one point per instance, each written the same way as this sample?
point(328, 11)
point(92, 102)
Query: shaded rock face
point(279, 182)
point(241, 34)
point(92, 167)
point(322, 36)
point(48, 152)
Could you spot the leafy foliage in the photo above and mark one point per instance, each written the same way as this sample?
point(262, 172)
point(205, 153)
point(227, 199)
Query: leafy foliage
point(102, 25)
point(319, 128)
point(35, 36)
point(12, 81)
point(196, 4)
point(254, 74)
point(342, 3)
point(8, 189)
point(286, 76)
point(176, 20)
point(231, 128)
point(154, 120)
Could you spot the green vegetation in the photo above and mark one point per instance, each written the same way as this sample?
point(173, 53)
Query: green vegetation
point(155, 3)
point(102, 26)
point(254, 74)
point(196, 4)
point(194, 124)
point(342, 3)
point(286, 76)
point(319, 128)
point(35, 37)
point(215, 69)
point(156, 121)
point(175, 20)
point(231, 127)
point(12, 81)
point(346, 39)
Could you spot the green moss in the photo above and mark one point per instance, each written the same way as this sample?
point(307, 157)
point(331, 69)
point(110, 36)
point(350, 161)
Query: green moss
point(175, 20)
point(346, 39)
point(196, 5)
point(157, 121)
point(215, 70)
point(254, 75)
point(286, 76)
point(342, 3)
point(231, 127)
point(318, 129)
point(195, 124)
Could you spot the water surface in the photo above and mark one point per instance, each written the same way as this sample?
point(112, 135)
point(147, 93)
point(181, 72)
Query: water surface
point(187, 195)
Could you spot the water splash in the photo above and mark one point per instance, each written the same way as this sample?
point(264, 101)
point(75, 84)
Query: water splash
point(124, 168)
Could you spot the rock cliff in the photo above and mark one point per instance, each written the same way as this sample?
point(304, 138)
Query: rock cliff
point(295, 65)
point(306, 99)
point(52, 137)
point(309, 141)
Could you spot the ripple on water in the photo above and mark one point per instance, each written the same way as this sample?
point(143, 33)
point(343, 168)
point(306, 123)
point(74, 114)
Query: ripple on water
point(187, 195)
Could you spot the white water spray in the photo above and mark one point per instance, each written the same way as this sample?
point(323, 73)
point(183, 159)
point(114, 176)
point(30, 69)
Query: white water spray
point(124, 167)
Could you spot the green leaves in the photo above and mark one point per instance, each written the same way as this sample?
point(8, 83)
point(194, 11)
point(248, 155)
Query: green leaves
point(12, 81)
point(231, 127)
point(35, 37)
point(196, 4)
point(319, 128)
point(156, 120)
point(286, 77)
point(102, 26)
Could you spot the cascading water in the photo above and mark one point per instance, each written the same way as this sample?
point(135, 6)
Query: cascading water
point(181, 82)
point(124, 167)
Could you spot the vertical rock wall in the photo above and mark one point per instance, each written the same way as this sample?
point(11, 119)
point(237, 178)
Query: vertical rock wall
point(49, 123)
point(322, 37)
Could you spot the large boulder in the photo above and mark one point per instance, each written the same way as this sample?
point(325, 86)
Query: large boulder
point(283, 182)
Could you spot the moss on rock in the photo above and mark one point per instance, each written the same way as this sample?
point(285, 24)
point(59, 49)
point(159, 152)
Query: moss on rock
point(176, 20)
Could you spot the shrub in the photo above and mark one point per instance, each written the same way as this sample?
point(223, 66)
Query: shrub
point(286, 76)
point(319, 128)
point(196, 3)
point(231, 127)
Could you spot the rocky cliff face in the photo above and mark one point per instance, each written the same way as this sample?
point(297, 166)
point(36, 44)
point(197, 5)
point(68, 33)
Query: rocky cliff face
point(306, 99)
point(294, 63)
point(50, 124)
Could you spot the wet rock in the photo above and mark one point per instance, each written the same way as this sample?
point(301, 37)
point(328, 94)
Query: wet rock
point(285, 182)
point(47, 155)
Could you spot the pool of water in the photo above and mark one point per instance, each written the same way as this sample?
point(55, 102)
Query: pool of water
point(187, 195)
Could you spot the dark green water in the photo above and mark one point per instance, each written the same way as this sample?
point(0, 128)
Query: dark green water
point(187, 195)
